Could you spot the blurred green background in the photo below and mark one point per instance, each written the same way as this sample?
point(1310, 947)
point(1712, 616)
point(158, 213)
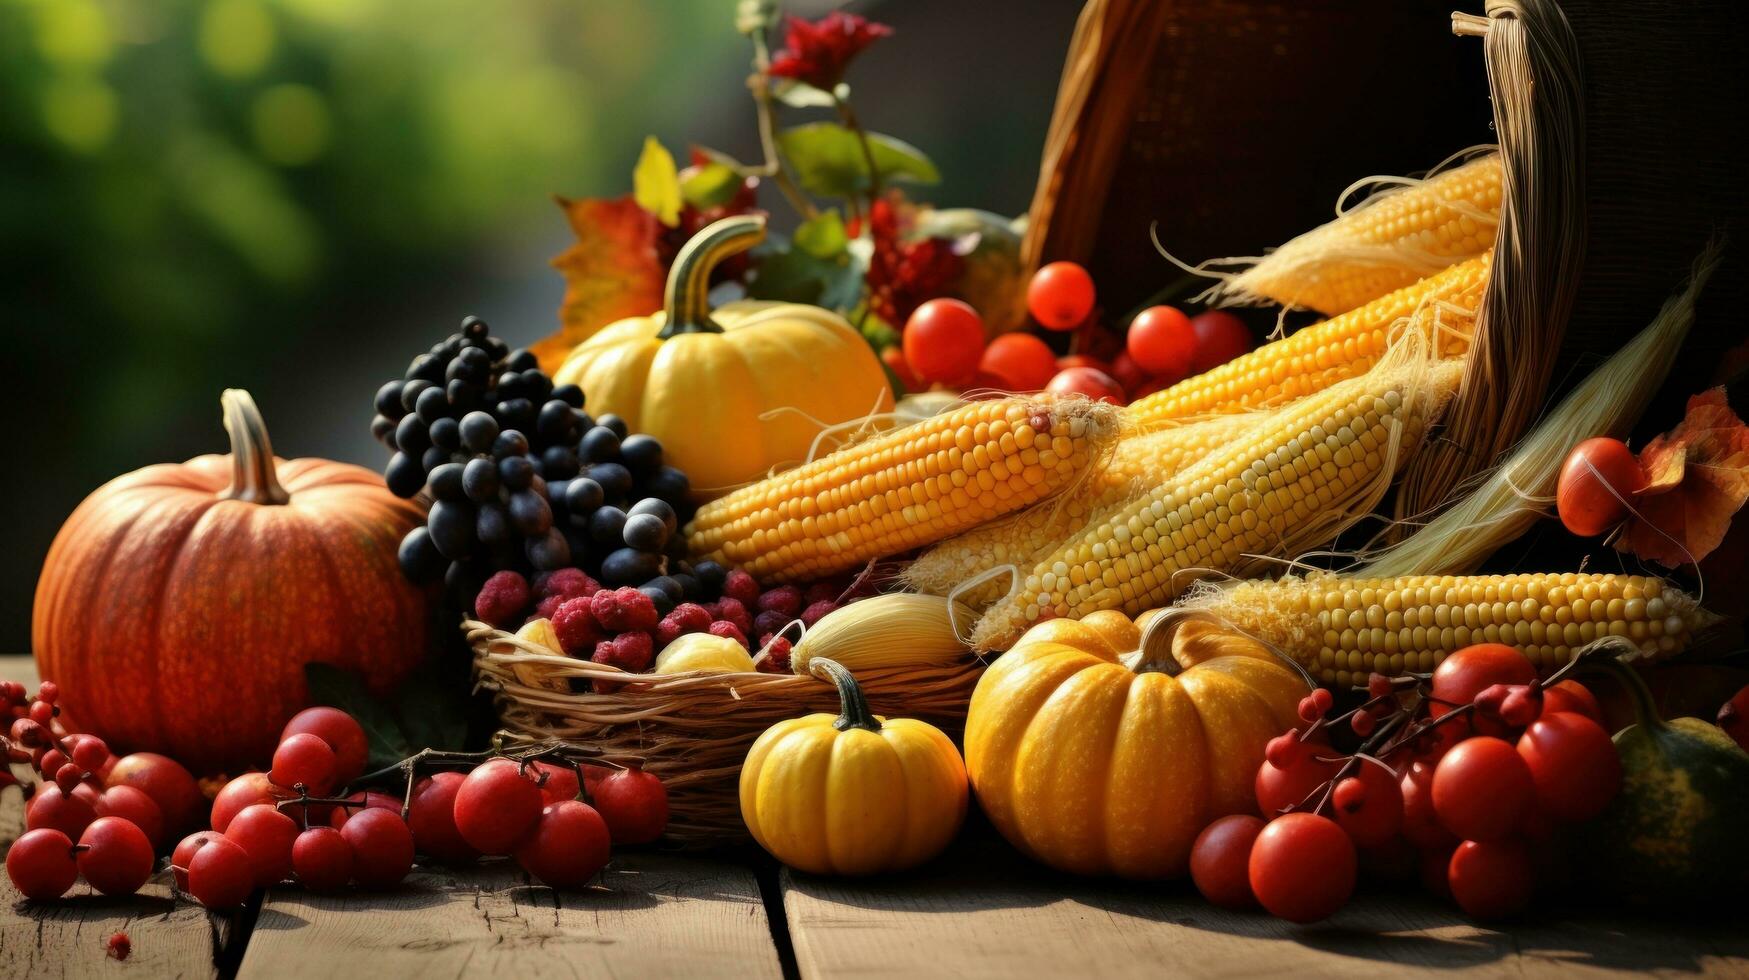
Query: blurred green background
point(295, 196)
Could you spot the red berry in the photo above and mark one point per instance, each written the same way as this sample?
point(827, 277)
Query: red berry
point(631, 652)
point(165, 780)
point(771, 623)
point(1491, 880)
point(1573, 764)
point(775, 659)
point(729, 630)
point(184, 853)
point(1022, 361)
point(1421, 825)
point(741, 587)
point(1220, 860)
point(731, 610)
point(1363, 723)
point(382, 847)
point(90, 753)
point(1369, 805)
point(688, 617)
point(53, 809)
point(135, 807)
point(116, 858)
point(51, 762)
point(943, 341)
point(634, 804)
point(244, 791)
point(1570, 695)
point(1378, 686)
point(68, 776)
point(220, 874)
point(1162, 341)
point(1220, 337)
point(1521, 706)
point(343, 734)
point(567, 582)
point(1302, 867)
point(503, 599)
point(558, 782)
point(1060, 296)
point(624, 610)
point(567, 846)
point(40, 864)
point(816, 612)
point(267, 835)
point(1481, 789)
point(119, 946)
point(574, 624)
point(322, 859)
point(1306, 768)
point(371, 799)
point(304, 759)
point(431, 818)
point(495, 806)
point(42, 712)
point(1464, 674)
point(48, 691)
point(785, 600)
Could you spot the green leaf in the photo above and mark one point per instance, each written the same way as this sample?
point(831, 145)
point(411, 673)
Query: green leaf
point(879, 333)
point(823, 236)
point(791, 274)
point(710, 185)
point(656, 182)
point(828, 159)
point(336, 688)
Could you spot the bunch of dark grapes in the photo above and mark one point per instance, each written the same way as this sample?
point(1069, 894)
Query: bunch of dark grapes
point(520, 477)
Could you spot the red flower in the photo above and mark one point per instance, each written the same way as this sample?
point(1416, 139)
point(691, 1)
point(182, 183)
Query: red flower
point(818, 53)
point(903, 274)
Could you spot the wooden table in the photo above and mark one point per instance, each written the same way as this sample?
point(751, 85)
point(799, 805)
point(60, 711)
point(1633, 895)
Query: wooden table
point(980, 911)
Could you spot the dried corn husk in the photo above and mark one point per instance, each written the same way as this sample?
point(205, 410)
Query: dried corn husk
point(898, 629)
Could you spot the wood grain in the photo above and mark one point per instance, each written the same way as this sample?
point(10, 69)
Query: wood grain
point(983, 911)
point(69, 938)
point(651, 916)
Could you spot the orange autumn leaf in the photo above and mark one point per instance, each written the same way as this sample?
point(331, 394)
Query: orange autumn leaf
point(1697, 477)
point(612, 272)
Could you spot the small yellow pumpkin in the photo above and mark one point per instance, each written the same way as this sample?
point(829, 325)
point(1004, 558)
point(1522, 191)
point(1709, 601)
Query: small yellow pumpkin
point(853, 794)
point(735, 392)
point(1103, 748)
point(704, 651)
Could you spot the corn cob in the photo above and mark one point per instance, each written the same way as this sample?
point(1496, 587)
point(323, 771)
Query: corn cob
point(895, 629)
point(1292, 482)
point(1389, 241)
point(1140, 458)
point(1341, 629)
point(905, 488)
point(1440, 307)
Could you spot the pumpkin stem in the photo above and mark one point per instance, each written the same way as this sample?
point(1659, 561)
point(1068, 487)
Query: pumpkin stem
point(687, 298)
point(853, 711)
point(1156, 645)
point(1602, 656)
point(254, 478)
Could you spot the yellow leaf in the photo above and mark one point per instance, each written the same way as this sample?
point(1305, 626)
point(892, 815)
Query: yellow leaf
point(656, 183)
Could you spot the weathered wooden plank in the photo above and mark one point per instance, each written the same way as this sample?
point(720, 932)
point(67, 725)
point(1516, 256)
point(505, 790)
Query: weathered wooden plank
point(170, 937)
point(983, 911)
point(652, 915)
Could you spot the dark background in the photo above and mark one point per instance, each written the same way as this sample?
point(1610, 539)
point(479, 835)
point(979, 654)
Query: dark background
point(295, 196)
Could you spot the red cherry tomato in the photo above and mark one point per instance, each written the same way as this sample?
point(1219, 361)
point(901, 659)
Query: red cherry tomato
point(1600, 476)
point(1220, 337)
point(1220, 860)
point(1068, 361)
point(1087, 381)
point(1482, 788)
point(1734, 717)
point(1287, 777)
point(1436, 871)
point(1491, 880)
point(1570, 695)
point(1369, 805)
point(1128, 373)
point(1463, 675)
point(634, 804)
point(1021, 360)
point(1163, 341)
point(1302, 867)
point(1421, 825)
point(894, 358)
point(943, 341)
point(163, 779)
point(1573, 764)
point(1060, 296)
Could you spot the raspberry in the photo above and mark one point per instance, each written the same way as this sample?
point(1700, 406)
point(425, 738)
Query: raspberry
point(770, 622)
point(816, 612)
point(776, 659)
point(821, 592)
point(545, 608)
point(688, 617)
point(741, 586)
point(502, 600)
point(631, 652)
point(727, 629)
point(624, 610)
point(731, 610)
point(574, 622)
point(785, 599)
point(567, 582)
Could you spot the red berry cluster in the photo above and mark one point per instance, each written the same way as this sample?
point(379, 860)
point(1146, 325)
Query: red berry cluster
point(118, 810)
point(1465, 777)
point(626, 628)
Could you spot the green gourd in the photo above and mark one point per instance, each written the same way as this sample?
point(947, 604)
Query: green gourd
point(1679, 830)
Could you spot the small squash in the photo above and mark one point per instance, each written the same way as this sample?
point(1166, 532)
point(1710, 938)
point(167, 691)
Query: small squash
point(854, 794)
point(704, 651)
point(1678, 832)
point(1103, 748)
point(735, 392)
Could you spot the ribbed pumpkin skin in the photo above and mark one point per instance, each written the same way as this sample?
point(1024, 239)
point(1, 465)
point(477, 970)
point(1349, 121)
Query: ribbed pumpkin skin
point(179, 622)
point(1093, 768)
point(706, 396)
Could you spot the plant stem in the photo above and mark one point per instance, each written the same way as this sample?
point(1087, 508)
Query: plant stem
point(846, 113)
point(759, 83)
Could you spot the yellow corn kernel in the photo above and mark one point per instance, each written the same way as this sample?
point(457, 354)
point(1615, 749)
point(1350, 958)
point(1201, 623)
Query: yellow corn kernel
point(1327, 622)
point(1389, 241)
point(905, 488)
point(1292, 482)
point(1140, 458)
point(1441, 307)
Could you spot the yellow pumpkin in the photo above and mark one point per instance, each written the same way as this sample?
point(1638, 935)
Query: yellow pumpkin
point(731, 393)
point(704, 651)
point(1103, 748)
point(853, 794)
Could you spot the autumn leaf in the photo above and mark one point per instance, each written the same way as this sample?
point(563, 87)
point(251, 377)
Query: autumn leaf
point(1697, 477)
point(611, 273)
point(656, 183)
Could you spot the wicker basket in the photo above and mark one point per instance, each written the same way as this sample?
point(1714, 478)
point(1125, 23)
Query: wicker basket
point(691, 730)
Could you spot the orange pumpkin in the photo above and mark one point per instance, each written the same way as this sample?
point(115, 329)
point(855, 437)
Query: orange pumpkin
point(1100, 747)
point(180, 602)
